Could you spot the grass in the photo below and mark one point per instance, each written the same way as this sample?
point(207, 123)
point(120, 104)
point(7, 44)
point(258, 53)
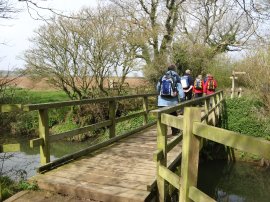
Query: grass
point(34, 97)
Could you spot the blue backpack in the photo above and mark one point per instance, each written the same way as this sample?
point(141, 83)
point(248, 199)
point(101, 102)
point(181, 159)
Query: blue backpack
point(168, 85)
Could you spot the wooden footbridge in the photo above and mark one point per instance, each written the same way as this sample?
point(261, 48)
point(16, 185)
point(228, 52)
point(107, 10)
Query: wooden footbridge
point(137, 165)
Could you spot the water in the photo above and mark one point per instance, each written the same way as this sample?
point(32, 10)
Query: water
point(238, 182)
point(23, 164)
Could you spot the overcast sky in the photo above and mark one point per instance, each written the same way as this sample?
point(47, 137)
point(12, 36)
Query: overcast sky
point(15, 33)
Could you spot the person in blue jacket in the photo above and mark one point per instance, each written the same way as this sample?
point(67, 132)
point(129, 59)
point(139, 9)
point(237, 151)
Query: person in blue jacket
point(164, 101)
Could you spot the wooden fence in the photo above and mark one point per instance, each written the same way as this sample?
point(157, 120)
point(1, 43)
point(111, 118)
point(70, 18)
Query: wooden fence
point(45, 139)
point(212, 106)
point(195, 127)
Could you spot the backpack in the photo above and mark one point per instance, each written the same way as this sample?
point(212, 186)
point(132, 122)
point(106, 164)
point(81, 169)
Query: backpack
point(211, 85)
point(198, 84)
point(184, 81)
point(168, 85)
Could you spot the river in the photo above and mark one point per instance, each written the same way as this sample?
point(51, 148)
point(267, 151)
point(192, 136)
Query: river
point(23, 164)
point(234, 182)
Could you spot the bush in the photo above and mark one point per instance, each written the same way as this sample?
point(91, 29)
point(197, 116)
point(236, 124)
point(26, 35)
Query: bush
point(244, 115)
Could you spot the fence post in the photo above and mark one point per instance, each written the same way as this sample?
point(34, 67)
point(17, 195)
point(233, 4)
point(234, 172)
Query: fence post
point(112, 108)
point(161, 145)
point(206, 108)
point(190, 153)
point(145, 109)
point(43, 120)
point(218, 108)
point(214, 113)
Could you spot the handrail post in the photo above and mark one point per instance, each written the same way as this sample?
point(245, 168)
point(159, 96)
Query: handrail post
point(218, 108)
point(145, 109)
point(112, 108)
point(190, 153)
point(161, 145)
point(206, 109)
point(214, 103)
point(44, 134)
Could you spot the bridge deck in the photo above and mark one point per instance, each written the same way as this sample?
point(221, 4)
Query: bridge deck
point(119, 172)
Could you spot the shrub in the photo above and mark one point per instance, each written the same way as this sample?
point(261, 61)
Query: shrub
point(243, 116)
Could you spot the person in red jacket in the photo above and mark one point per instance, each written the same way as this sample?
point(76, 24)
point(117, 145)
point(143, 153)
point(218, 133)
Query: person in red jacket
point(210, 85)
point(198, 87)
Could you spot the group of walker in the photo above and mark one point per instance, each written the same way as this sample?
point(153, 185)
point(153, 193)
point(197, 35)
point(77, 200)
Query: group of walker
point(173, 89)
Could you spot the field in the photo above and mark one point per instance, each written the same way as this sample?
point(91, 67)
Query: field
point(43, 85)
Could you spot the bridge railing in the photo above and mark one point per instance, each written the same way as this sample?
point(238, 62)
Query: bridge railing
point(195, 129)
point(45, 139)
point(212, 107)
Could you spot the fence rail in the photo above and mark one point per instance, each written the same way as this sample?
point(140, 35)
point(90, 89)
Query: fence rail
point(45, 139)
point(195, 126)
point(212, 106)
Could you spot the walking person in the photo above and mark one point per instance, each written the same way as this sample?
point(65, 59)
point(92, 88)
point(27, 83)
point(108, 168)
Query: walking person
point(187, 84)
point(170, 91)
point(210, 85)
point(198, 87)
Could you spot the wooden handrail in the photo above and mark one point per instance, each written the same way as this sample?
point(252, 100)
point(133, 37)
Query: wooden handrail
point(232, 139)
point(213, 108)
point(45, 139)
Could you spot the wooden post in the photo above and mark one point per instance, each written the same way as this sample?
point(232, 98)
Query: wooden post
point(218, 108)
point(214, 115)
point(233, 86)
point(44, 134)
point(145, 109)
point(161, 145)
point(206, 109)
point(190, 153)
point(112, 108)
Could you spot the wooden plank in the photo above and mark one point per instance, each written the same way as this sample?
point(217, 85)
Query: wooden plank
point(110, 167)
point(112, 111)
point(145, 109)
point(124, 118)
point(236, 140)
point(169, 176)
point(91, 191)
point(10, 148)
point(198, 196)
point(190, 153)
point(174, 142)
point(172, 121)
point(43, 130)
point(101, 174)
point(129, 181)
point(37, 142)
point(10, 107)
point(32, 107)
point(161, 145)
point(158, 155)
point(78, 131)
point(88, 150)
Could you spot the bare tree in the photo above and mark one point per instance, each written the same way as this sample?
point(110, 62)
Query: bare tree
point(222, 25)
point(7, 9)
point(79, 55)
point(151, 25)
